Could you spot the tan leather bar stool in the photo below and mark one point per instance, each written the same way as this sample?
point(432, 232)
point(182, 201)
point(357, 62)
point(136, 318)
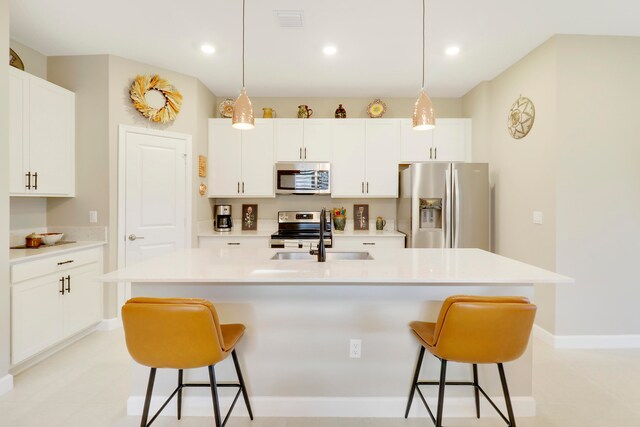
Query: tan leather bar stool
point(181, 333)
point(473, 329)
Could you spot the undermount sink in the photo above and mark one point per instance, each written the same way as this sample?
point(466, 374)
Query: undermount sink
point(331, 256)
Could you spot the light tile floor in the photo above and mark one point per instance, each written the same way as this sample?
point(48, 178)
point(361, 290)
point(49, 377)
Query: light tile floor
point(87, 385)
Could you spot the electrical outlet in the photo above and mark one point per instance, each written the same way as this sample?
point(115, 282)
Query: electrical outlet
point(537, 217)
point(93, 217)
point(355, 348)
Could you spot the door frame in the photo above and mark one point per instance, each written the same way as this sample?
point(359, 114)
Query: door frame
point(124, 289)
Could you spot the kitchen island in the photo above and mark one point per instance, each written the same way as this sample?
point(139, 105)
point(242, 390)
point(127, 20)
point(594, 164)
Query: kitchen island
point(301, 315)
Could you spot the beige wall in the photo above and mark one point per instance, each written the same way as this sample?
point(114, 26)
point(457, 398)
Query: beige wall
point(34, 62)
point(522, 171)
point(4, 195)
point(356, 107)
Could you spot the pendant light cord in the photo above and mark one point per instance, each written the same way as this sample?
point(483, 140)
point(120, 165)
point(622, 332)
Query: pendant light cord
point(424, 37)
point(243, 6)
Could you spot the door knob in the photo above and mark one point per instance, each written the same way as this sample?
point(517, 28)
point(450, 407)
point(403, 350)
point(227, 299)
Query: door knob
point(133, 237)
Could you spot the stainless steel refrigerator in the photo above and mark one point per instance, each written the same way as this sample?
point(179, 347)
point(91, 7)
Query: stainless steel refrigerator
point(445, 205)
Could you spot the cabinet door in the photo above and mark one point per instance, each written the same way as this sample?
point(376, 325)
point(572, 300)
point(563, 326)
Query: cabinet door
point(317, 140)
point(257, 160)
point(382, 158)
point(452, 140)
point(82, 302)
point(225, 158)
point(51, 138)
point(36, 316)
point(348, 165)
point(18, 131)
point(415, 145)
point(289, 140)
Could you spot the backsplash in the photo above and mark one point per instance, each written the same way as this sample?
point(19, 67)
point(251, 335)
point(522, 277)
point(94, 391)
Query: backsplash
point(78, 234)
point(27, 212)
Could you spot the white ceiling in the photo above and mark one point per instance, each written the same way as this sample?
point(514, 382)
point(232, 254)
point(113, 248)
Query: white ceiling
point(378, 42)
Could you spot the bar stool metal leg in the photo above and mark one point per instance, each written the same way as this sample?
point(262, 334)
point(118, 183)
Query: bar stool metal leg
point(443, 379)
point(245, 395)
point(147, 399)
point(214, 396)
point(475, 389)
point(507, 398)
point(180, 377)
point(414, 384)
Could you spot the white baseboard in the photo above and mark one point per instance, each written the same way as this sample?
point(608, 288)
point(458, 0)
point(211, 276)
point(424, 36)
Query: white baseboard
point(586, 341)
point(109, 324)
point(344, 407)
point(6, 384)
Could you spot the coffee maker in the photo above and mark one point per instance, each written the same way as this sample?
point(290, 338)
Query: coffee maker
point(222, 218)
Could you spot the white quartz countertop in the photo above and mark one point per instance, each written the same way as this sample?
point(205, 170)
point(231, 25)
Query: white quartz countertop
point(367, 233)
point(388, 266)
point(267, 232)
point(20, 255)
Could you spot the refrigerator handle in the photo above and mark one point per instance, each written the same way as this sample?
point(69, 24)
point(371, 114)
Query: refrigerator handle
point(446, 217)
point(456, 209)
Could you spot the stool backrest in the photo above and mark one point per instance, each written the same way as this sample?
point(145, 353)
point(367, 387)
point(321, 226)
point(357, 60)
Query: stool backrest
point(475, 329)
point(178, 333)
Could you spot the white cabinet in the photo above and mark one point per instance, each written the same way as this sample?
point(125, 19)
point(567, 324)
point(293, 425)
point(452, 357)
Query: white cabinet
point(365, 160)
point(235, 241)
point(449, 141)
point(362, 243)
point(303, 140)
point(52, 299)
point(42, 137)
point(241, 161)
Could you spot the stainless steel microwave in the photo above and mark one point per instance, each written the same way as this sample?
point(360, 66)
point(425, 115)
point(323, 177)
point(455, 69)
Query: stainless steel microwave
point(303, 178)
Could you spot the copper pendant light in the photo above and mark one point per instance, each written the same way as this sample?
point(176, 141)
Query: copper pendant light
point(242, 109)
point(424, 117)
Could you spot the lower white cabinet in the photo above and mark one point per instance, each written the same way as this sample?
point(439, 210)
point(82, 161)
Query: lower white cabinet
point(227, 242)
point(362, 243)
point(59, 298)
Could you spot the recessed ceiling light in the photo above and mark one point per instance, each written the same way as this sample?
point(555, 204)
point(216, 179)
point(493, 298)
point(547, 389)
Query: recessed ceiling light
point(330, 50)
point(208, 49)
point(452, 51)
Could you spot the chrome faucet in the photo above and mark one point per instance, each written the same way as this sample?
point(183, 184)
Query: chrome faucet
point(321, 251)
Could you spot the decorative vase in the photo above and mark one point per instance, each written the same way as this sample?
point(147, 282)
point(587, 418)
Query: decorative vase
point(268, 113)
point(380, 223)
point(304, 112)
point(341, 113)
point(339, 222)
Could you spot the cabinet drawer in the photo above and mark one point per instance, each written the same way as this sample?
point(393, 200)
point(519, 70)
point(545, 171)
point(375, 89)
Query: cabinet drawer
point(226, 242)
point(363, 243)
point(53, 264)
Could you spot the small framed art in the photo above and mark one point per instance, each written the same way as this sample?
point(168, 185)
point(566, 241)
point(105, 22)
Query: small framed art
point(360, 217)
point(249, 217)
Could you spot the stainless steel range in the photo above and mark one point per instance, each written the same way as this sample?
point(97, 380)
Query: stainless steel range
point(300, 230)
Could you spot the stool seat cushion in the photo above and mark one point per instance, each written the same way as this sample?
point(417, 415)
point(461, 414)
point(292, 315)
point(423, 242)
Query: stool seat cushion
point(230, 335)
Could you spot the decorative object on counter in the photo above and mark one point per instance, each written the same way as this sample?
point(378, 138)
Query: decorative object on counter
point(172, 98)
point(339, 219)
point(14, 60)
point(226, 108)
point(304, 112)
point(376, 109)
point(202, 166)
point(243, 117)
point(380, 223)
point(203, 189)
point(341, 113)
point(268, 113)
point(360, 217)
point(33, 240)
point(521, 117)
point(250, 217)
point(60, 243)
point(51, 239)
point(424, 118)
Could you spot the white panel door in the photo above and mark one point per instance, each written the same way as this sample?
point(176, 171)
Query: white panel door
point(225, 159)
point(18, 131)
point(289, 140)
point(348, 162)
point(452, 140)
point(155, 194)
point(82, 299)
point(257, 160)
point(382, 158)
point(51, 137)
point(415, 145)
point(317, 140)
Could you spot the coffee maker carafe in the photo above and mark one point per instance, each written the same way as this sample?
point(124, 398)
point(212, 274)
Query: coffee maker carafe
point(222, 218)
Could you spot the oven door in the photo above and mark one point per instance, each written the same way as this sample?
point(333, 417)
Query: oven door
point(303, 178)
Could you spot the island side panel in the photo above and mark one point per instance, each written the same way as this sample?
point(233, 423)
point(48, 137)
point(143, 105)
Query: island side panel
point(297, 344)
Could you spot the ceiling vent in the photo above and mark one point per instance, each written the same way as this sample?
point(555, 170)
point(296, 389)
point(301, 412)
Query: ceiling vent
point(289, 18)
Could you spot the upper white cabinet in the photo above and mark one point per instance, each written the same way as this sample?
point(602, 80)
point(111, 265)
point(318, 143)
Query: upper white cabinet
point(42, 137)
point(303, 140)
point(241, 162)
point(449, 141)
point(365, 158)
